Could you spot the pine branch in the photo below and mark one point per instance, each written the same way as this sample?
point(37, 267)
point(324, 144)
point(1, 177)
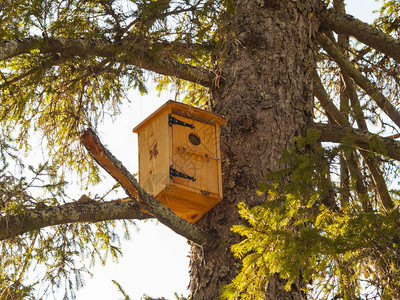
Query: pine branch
point(350, 158)
point(369, 35)
point(83, 210)
point(127, 52)
point(370, 159)
point(327, 104)
point(18, 78)
point(347, 67)
point(360, 139)
point(364, 140)
point(12, 48)
point(343, 43)
point(146, 202)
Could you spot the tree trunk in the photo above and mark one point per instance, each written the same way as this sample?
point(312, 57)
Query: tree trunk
point(266, 96)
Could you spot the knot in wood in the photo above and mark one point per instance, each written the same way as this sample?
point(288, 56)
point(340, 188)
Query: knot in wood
point(274, 4)
point(245, 123)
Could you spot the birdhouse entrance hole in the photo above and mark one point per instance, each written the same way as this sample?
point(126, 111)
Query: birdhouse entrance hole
point(194, 139)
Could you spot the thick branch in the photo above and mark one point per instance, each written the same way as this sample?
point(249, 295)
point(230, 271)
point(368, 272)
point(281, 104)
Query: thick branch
point(360, 139)
point(343, 43)
point(79, 211)
point(369, 35)
point(369, 158)
point(128, 52)
point(326, 102)
point(366, 142)
point(339, 118)
point(379, 180)
point(115, 168)
point(347, 67)
point(11, 48)
point(353, 166)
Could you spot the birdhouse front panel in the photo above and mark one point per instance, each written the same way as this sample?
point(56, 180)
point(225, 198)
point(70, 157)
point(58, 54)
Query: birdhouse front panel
point(179, 159)
point(195, 154)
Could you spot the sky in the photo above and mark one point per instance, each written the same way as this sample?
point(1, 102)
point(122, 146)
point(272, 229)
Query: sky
point(155, 260)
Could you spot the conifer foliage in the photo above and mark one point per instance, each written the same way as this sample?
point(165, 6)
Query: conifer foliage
point(309, 152)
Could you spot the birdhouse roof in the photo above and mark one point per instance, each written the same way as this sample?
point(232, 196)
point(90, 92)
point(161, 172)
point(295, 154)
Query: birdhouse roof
point(184, 110)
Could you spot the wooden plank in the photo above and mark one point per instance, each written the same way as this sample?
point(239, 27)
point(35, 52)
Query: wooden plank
point(195, 113)
point(199, 161)
point(218, 146)
point(186, 203)
point(184, 110)
point(154, 154)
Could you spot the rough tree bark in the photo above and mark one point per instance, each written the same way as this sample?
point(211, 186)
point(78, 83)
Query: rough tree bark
point(266, 95)
point(265, 92)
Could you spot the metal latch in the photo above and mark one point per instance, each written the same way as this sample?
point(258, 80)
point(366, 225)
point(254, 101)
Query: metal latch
point(172, 120)
point(176, 173)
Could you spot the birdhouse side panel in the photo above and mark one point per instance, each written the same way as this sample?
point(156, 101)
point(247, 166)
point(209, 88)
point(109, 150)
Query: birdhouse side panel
point(218, 147)
point(155, 154)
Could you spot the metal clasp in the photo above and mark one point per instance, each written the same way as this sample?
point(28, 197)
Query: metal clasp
point(176, 173)
point(172, 120)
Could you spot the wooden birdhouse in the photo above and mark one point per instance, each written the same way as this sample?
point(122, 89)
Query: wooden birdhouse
point(179, 158)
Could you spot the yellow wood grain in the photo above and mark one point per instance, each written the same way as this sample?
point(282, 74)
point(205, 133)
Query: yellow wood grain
point(162, 146)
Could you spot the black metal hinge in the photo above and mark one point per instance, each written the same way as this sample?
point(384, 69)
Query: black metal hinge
point(173, 172)
point(172, 120)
